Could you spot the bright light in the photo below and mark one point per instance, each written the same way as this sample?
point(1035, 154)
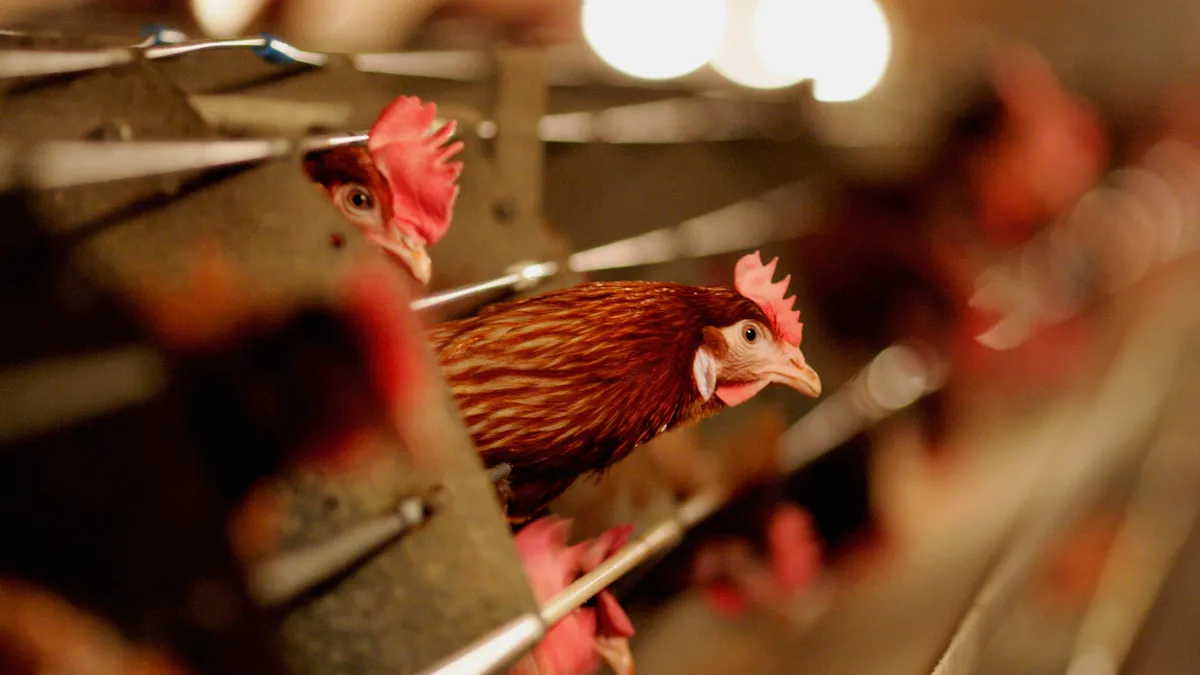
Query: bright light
point(225, 18)
point(655, 39)
point(738, 60)
point(844, 45)
point(786, 35)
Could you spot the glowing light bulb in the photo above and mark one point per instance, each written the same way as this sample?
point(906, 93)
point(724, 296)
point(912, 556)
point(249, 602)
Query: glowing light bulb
point(786, 37)
point(844, 45)
point(655, 39)
point(225, 18)
point(738, 60)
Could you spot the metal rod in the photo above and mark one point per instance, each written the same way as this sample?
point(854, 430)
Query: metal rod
point(286, 577)
point(25, 63)
point(1160, 518)
point(269, 47)
point(36, 63)
point(685, 119)
point(169, 51)
point(495, 650)
point(59, 164)
point(896, 378)
point(1146, 550)
point(663, 536)
point(523, 276)
point(569, 67)
point(778, 215)
point(444, 65)
point(40, 397)
point(316, 143)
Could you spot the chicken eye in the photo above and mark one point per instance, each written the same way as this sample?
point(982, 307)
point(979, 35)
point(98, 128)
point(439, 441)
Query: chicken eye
point(358, 198)
point(750, 333)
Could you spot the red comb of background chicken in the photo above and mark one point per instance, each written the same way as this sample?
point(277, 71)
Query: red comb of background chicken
point(575, 645)
point(753, 279)
point(414, 161)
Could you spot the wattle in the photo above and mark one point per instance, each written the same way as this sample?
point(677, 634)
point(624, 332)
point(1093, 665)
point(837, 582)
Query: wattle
point(736, 394)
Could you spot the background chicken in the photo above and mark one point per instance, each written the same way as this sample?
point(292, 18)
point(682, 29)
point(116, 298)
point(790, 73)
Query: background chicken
point(572, 381)
point(576, 644)
point(400, 189)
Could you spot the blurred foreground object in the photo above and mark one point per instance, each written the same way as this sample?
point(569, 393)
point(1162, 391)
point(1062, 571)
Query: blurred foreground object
point(1050, 149)
point(41, 633)
point(178, 495)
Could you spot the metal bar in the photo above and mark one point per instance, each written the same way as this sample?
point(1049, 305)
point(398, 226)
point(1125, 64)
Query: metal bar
point(59, 164)
point(778, 215)
point(288, 576)
point(896, 378)
point(26, 63)
point(494, 651)
point(1159, 519)
point(569, 66)
point(443, 65)
point(170, 51)
point(46, 395)
point(316, 143)
point(525, 275)
point(675, 120)
point(268, 47)
point(1152, 538)
point(663, 536)
point(35, 63)
point(253, 116)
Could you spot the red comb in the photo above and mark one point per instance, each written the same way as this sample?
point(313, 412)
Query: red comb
point(413, 159)
point(753, 279)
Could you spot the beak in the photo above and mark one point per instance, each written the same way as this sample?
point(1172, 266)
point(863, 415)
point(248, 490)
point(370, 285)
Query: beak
point(413, 255)
point(791, 370)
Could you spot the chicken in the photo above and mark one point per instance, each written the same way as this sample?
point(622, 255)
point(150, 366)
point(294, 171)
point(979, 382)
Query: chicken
point(273, 386)
point(572, 381)
point(400, 189)
point(734, 578)
point(42, 633)
point(575, 645)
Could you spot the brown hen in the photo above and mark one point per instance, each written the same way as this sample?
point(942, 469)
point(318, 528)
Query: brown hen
point(572, 381)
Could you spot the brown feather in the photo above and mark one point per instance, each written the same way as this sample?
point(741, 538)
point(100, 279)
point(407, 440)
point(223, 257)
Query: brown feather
point(572, 381)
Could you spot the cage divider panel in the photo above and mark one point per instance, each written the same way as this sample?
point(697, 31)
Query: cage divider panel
point(457, 577)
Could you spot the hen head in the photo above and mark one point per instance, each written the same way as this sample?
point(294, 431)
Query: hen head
point(737, 360)
point(400, 189)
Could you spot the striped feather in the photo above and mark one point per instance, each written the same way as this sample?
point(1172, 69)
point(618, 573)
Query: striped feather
point(572, 381)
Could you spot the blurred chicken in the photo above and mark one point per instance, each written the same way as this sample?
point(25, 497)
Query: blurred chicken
point(734, 578)
point(272, 387)
point(572, 381)
point(42, 633)
point(600, 629)
point(400, 189)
